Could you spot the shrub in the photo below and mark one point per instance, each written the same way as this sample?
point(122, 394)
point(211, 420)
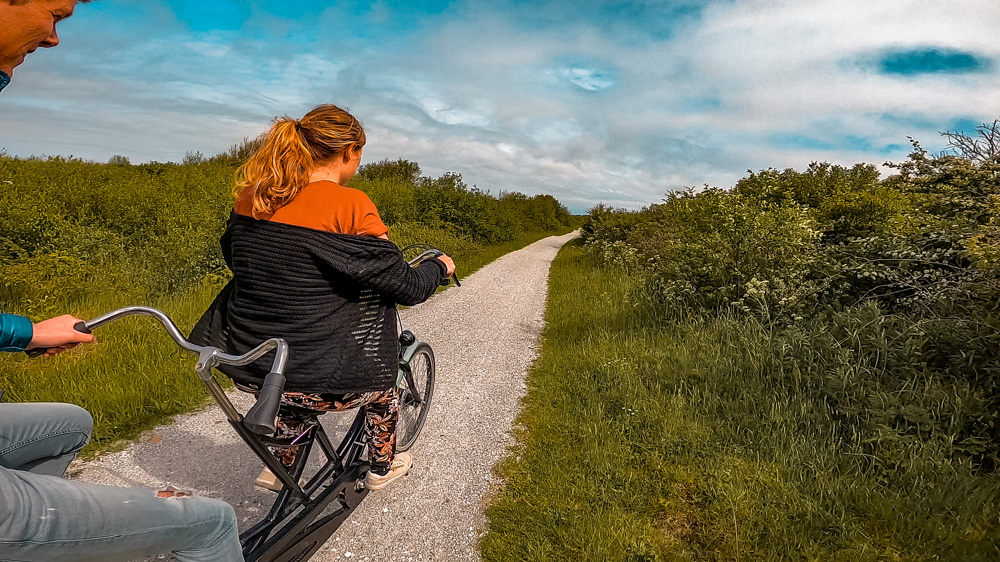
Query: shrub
point(888, 289)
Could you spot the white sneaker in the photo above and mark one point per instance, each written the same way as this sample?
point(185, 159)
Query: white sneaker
point(267, 480)
point(399, 467)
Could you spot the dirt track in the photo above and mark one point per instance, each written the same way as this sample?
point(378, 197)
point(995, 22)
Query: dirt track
point(484, 336)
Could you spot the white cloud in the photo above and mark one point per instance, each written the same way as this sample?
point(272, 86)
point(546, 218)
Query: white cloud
point(588, 78)
point(569, 109)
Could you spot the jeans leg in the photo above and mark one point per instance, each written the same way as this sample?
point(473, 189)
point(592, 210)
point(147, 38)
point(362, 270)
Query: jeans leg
point(42, 437)
point(48, 519)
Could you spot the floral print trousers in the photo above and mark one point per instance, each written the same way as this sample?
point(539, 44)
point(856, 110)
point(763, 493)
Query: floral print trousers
point(381, 415)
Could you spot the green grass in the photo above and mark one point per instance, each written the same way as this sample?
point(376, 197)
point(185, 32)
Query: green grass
point(135, 377)
point(645, 440)
point(132, 379)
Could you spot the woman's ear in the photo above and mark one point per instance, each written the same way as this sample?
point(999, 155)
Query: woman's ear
point(353, 152)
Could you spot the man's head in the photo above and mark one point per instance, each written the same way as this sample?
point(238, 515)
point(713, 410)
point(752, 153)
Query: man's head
point(28, 25)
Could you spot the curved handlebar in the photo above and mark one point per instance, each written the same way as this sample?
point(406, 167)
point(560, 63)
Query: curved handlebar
point(217, 356)
point(261, 417)
point(431, 254)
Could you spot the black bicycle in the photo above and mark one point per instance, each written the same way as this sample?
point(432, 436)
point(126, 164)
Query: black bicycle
point(303, 516)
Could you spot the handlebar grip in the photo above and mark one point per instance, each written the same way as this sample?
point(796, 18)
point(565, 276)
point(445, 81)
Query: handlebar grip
point(80, 326)
point(447, 280)
point(261, 417)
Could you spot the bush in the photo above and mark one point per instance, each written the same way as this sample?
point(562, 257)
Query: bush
point(715, 250)
point(72, 227)
point(889, 288)
point(448, 204)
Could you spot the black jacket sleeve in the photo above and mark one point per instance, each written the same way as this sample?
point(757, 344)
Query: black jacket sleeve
point(386, 272)
point(227, 250)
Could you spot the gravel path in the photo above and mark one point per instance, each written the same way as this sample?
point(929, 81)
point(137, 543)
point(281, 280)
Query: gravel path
point(484, 336)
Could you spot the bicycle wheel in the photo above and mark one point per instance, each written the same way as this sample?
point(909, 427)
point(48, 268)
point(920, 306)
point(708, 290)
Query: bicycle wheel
point(413, 408)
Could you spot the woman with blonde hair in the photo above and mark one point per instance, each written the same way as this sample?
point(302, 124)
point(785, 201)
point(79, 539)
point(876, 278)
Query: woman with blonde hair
point(312, 264)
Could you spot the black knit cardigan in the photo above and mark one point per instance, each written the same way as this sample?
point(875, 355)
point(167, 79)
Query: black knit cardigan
point(332, 297)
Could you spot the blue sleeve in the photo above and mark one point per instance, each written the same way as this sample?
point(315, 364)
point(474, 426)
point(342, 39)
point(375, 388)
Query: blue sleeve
point(15, 332)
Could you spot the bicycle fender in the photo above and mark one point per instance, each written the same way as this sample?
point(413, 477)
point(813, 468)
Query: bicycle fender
point(404, 361)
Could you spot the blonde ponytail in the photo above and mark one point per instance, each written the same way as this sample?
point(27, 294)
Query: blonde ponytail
point(291, 151)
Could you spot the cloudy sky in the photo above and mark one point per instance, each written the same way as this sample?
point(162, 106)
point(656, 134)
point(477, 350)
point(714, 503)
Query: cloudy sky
point(589, 100)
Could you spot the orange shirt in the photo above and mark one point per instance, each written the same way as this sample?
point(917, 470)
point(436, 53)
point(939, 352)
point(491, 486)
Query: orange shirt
point(327, 206)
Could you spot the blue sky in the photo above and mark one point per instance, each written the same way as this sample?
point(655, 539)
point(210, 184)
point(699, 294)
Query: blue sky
point(592, 101)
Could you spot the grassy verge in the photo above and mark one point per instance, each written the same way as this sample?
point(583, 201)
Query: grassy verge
point(135, 377)
point(642, 440)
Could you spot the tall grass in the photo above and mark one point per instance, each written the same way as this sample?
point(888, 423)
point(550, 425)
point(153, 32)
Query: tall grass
point(134, 377)
point(714, 438)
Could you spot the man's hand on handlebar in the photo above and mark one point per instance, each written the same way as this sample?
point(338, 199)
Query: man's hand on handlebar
point(56, 335)
point(449, 263)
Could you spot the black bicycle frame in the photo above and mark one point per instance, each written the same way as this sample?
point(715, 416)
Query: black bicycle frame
point(284, 537)
point(290, 532)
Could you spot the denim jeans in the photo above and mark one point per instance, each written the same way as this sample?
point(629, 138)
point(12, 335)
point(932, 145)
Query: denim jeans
point(46, 518)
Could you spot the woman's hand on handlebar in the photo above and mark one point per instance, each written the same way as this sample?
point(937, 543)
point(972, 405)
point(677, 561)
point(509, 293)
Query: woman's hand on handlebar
point(56, 335)
point(448, 263)
point(430, 252)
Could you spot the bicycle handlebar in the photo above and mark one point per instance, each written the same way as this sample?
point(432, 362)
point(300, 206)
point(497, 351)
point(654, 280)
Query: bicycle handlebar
point(260, 418)
point(430, 254)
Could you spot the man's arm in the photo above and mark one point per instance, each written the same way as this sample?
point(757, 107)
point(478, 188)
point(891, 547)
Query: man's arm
point(15, 332)
point(54, 335)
